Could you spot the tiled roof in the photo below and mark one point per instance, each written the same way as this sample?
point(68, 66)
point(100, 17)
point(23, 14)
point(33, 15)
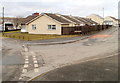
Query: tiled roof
point(27, 19)
point(91, 21)
point(84, 21)
point(57, 17)
point(96, 15)
point(71, 18)
point(113, 18)
point(62, 19)
point(87, 21)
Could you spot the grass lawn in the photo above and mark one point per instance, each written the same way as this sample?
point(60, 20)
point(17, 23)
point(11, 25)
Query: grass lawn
point(12, 31)
point(0, 34)
point(29, 37)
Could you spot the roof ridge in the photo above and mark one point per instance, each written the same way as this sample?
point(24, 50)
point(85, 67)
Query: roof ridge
point(63, 19)
point(58, 18)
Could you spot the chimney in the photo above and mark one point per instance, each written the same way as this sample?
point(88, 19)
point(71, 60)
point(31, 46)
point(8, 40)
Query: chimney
point(35, 14)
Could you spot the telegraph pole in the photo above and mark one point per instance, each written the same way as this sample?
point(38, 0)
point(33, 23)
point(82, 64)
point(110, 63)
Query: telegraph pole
point(103, 19)
point(103, 16)
point(3, 19)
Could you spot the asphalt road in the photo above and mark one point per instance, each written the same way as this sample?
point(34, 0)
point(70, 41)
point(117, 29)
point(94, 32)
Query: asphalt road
point(98, 46)
point(105, 69)
point(12, 60)
point(56, 55)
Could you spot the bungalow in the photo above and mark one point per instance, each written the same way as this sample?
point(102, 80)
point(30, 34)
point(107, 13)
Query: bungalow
point(48, 23)
point(96, 18)
point(109, 20)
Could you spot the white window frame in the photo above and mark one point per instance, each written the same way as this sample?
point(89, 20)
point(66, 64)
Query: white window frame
point(51, 27)
point(33, 27)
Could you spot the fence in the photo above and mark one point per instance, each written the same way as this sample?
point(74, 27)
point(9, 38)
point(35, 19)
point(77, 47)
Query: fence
point(83, 29)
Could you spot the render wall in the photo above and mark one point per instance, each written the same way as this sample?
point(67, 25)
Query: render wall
point(42, 26)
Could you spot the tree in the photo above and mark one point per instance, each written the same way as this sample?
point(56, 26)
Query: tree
point(17, 21)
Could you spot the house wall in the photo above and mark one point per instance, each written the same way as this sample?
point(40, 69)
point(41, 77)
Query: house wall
point(42, 26)
point(115, 22)
point(71, 25)
point(65, 25)
point(68, 25)
point(24, 28)
point(96, 19)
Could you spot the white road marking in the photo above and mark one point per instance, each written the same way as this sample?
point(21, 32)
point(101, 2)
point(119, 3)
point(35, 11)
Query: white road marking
point(34, 58)
point(25, 48)
point(26, 62)
point(36, 70)
point(35, 61)
point(20, 78)
point(107, 69)
point(26, 59)
point(79, 80)
point(24, 71)
point(35, 65)
point(25, 65)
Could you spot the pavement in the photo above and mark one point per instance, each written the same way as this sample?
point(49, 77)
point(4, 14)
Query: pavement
point(66, 40)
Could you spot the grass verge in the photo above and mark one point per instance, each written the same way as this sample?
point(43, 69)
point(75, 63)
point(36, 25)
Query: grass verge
point(29, 37)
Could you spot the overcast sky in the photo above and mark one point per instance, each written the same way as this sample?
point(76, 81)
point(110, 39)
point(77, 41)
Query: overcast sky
point(81, 8)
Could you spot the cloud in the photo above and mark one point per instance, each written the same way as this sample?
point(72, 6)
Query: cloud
point(73, 7)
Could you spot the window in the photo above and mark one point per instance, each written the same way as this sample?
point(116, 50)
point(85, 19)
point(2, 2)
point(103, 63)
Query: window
point(51, 27)
point(33, 27)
